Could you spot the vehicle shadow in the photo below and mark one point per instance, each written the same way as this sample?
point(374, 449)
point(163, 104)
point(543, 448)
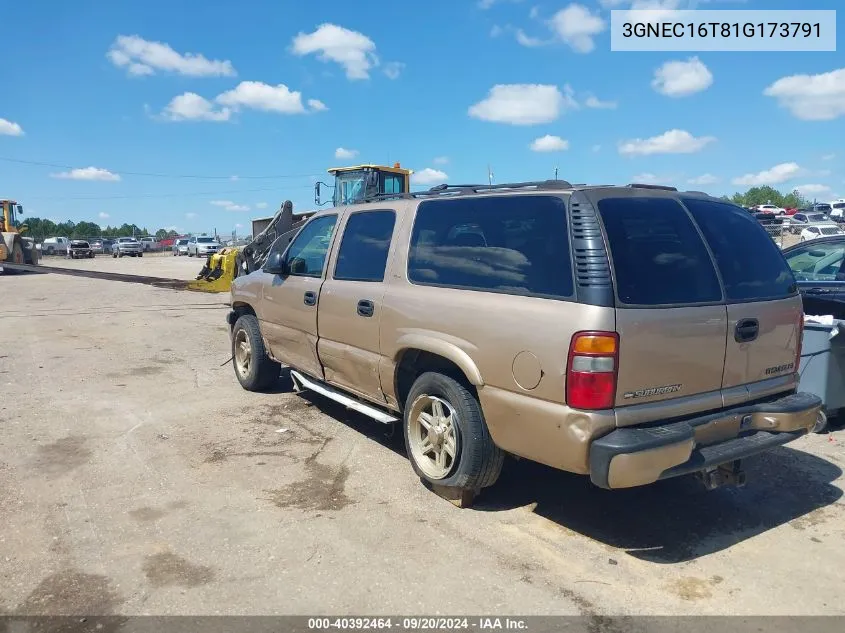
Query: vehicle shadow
point(675, 520)
point(671, 521)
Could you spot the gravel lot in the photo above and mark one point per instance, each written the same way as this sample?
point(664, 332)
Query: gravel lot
point(137, 477)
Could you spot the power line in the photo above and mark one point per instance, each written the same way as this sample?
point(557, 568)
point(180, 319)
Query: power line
point(158, 175)
point(166, 195)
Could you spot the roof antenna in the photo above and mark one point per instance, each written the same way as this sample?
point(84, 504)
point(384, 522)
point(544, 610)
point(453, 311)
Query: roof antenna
point(490, 175)
point(555, 173)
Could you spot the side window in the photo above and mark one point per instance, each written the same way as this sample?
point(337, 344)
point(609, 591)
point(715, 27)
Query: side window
point(363, 249)
point(306, 256)
point(393, 183)
point(658, 256)
point(507, 244)
point(751, 264)
point(818, 262)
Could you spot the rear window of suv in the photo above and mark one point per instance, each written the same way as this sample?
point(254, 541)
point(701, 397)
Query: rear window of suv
point(658, 255)
point(506, 244)
point(751, 265)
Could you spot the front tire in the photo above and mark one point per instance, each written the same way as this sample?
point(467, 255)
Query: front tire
point(114, 254)
point(254, 368)
point(140, 254)
point(447, 440)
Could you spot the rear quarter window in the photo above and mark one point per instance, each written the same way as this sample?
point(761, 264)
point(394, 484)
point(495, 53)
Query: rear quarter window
point(750, 263)
point(658, 255)
point(506, 244)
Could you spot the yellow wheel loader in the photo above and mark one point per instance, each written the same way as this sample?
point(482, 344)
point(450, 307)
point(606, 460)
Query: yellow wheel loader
point(15, 248)
point(352, 185)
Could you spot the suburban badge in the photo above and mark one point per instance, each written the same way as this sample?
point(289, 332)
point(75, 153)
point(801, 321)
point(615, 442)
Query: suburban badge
point(653, 391)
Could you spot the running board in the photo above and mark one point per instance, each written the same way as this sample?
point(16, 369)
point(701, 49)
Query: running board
point(305, 382)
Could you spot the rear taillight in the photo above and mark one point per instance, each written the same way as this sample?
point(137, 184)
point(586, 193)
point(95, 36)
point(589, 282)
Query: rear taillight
point(800, 342)
point(591, 370)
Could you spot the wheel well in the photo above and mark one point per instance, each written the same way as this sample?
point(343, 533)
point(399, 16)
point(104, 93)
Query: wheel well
point(241, 309)
point(415, 362)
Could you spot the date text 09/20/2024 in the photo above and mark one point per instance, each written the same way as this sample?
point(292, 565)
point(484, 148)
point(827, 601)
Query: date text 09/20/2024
point(417, 624)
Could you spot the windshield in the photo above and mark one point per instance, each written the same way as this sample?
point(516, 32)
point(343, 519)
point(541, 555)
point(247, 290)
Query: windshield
point(817, 217)
point(205, 240)
point(181, 242)
point(349, 187)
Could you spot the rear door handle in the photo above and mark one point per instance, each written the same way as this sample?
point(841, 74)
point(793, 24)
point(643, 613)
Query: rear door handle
point(310, 298)
point(365, 308)
point(746, 330)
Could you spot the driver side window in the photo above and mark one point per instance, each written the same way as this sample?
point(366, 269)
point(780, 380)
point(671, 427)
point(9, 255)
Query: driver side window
point(306, 256)
point(818, 262)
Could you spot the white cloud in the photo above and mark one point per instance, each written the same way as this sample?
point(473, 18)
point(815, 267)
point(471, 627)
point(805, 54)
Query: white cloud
point(649, 179)
point(523, 104)
point(811, 97)
point(595, 102)
point(261, 205)
point(428, 176)
point(814, 190)
point(229, 205)
point(828, 156)
point(549, 143)
point(528, 40)
point(671, 142)
point(10, 128)
point(534, 13)
point(776, 175)
point(441, 160)
point(103, 215)
point(342, 153)
point(331, 43)
point(239, 226)
point(88, 173)
point(704, 179)
point(393, 69)
point(191, 216)
point(496, 31)
point(317, 106)
point(682, 78)
point(577, 25)
point(261, 96)
point(596, 148)
point(486, 4)
point(143, 57)
point(192, 107)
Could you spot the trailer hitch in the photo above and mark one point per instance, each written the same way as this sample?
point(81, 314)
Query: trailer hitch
point(730, 474)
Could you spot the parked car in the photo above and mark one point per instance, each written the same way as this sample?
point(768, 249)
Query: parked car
point(127, 246)
point(606, 331)
point(815, 231)
point(837, 209)
point(150, 244)
point(98, 246)
point(180, 247)
point(791, 211)
point(202, 246)
point(54, 245)
point(821, 207)
point(770, 208)
point(805, 218)
point(79, 248)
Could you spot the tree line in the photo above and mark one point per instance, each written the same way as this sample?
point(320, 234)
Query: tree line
point(769, 195)
point(40, 229)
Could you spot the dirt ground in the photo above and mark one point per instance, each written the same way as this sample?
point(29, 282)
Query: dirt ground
point(137, 477)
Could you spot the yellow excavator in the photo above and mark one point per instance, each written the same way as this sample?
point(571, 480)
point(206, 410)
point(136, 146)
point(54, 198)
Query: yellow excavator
point(352, 185)
point(15, 248)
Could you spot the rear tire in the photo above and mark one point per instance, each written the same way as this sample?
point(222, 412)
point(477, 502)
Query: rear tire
point(114, 254)
point(254, 368)
point(140, 254)
point(17, 253)
point(455, 423)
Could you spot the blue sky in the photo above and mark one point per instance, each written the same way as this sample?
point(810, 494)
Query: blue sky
point(256, 98)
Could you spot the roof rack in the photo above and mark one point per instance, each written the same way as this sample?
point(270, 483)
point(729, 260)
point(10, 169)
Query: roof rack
point(447, 189)
point(638, 185)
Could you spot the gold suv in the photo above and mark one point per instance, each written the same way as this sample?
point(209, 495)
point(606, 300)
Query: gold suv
point(629, 333)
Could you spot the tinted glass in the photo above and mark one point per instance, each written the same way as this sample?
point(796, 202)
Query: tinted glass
point(306, 255)
point(818, 262)
point(817, 217)
point(514, 245)
point(750, 263)
point(658, 256)
point(363, 250)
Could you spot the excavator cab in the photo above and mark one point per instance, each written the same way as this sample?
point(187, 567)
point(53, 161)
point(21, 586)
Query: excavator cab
point(360, 183)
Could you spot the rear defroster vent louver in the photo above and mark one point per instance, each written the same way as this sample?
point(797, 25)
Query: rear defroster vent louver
point(591, 266)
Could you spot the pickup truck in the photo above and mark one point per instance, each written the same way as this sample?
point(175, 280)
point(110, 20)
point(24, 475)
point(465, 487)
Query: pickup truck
point(79, 248)
point(54, 245)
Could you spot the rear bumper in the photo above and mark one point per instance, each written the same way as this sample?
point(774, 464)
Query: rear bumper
point(637, 456)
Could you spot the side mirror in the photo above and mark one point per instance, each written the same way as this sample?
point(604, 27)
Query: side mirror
point(317, 193)
point(275, 264)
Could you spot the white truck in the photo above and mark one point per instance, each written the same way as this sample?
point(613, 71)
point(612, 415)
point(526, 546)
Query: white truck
point(54, 246)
